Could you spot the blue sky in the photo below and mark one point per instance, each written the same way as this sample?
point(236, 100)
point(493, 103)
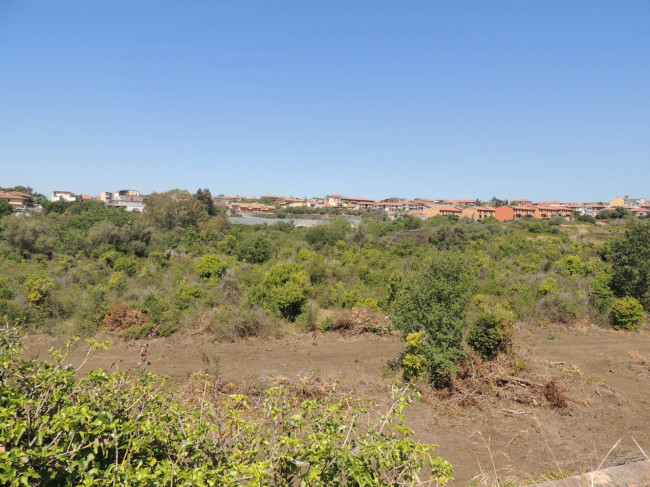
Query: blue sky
point(440, 99)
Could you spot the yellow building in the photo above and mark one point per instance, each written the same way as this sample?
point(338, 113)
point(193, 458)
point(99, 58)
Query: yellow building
point(617, 202)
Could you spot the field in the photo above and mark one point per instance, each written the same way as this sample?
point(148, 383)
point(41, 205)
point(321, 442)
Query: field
point(606, 389)
point(527, 342)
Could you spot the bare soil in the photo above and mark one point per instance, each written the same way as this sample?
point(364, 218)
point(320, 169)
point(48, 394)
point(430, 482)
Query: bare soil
point(506, 429)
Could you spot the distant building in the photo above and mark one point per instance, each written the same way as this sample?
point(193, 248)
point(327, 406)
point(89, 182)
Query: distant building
point(508, 213)
point(251, 208)
point(17, 199)
point(65, 196)
point(478, 213)
point(444, 210)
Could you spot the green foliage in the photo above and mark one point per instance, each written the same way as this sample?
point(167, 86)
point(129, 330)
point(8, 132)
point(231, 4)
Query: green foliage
point(548, 286)
point(174, 209)
point(626, 314)
point(256, 250)
point(119, 429)
point(491, 333)
point(5, 208)
point(186, 295)
point(211, 267)
point(37, 289)
point(284, 290)
point(414, 360)
point(615, 214)
point(29, 236)
point(434, 300)
point(630, 258)
point(328, 234)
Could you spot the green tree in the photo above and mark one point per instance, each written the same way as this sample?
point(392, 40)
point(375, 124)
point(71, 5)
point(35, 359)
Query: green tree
point(5, 208)
point(630, 257)
point(285, 289)
point(205, 197)
point(434, 300)
point(626, 314)
point(175, 208)
point(29, 236)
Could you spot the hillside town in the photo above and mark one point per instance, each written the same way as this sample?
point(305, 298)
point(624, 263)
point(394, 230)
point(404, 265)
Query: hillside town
point(473, 209)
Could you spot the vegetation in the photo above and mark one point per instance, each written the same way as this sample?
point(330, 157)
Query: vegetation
point(449, 284)
point(118, 429)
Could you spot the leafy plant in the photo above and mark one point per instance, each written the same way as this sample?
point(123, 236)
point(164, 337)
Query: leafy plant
point(626, 314)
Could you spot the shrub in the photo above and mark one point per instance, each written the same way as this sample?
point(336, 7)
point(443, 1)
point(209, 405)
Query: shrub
point(37, 289)
point(256, 250)
point(626, 314)
point(630, 257)
point(108, 429)
point(186, 295)
point(491, 333)
point(548, 286)
point(122, 316)
point(434, 300)
point(284, 289)
point(128, 265)
point(211, 267)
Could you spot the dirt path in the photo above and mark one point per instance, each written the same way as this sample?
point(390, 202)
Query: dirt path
point(610, 396)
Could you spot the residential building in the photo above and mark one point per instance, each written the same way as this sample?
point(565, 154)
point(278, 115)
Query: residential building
point(251, 208)
point(521, 202)
point(508, 213)
point(478, 213)
point(444, 210)
point(65, 196)
point(617, 202)
point(17, 199)
point(548, 212)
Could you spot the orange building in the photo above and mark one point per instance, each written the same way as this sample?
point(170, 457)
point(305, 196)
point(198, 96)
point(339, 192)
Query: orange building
point(444, 210)
point(509, 213)
point(477, 213)
point(548, 212)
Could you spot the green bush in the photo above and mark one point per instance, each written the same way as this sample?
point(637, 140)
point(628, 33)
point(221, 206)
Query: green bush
point(434, 300)
point(211, 267)
point(548, 286)
point(491, 333)
point(626, 314)
point(120, 429)
point(284, 290)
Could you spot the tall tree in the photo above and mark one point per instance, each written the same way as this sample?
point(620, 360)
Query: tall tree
point(175, 208)
point(205, 197)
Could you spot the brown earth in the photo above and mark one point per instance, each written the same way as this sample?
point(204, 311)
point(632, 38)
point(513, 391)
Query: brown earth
point(607, 392)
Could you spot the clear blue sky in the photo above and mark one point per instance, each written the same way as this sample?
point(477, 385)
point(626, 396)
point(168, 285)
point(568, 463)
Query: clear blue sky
point(454, 99)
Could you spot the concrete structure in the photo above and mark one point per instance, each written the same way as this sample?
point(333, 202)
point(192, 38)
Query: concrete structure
point(633, 474)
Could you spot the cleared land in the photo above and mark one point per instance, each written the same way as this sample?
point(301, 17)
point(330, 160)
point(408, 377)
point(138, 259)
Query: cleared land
point(508, 427)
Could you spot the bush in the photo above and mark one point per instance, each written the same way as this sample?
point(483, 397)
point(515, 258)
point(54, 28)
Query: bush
point(211, 267)
point(284, 289)
point(108, 429)
point(37, 289)
point(434, 301)
point(630, 257)
point(491, 333)
point(626, 314)
point(548, 286)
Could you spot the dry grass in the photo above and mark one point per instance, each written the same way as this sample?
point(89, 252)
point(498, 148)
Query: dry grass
point(357, 320)
point(503, 383)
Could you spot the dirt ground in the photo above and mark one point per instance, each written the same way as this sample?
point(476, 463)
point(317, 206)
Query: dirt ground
point(607, 390)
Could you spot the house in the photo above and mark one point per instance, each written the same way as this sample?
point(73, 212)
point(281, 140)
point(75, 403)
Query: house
point(386, 206)
point(617, 202)
point(640, 211)
point(521, 202)
point(17, 199)
point(477, 213)
point(444, 210)
point(465, 203)
point(508, 213)
point(251, 208)
point(548, 212)
point(129, 199)
point(65, 196)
